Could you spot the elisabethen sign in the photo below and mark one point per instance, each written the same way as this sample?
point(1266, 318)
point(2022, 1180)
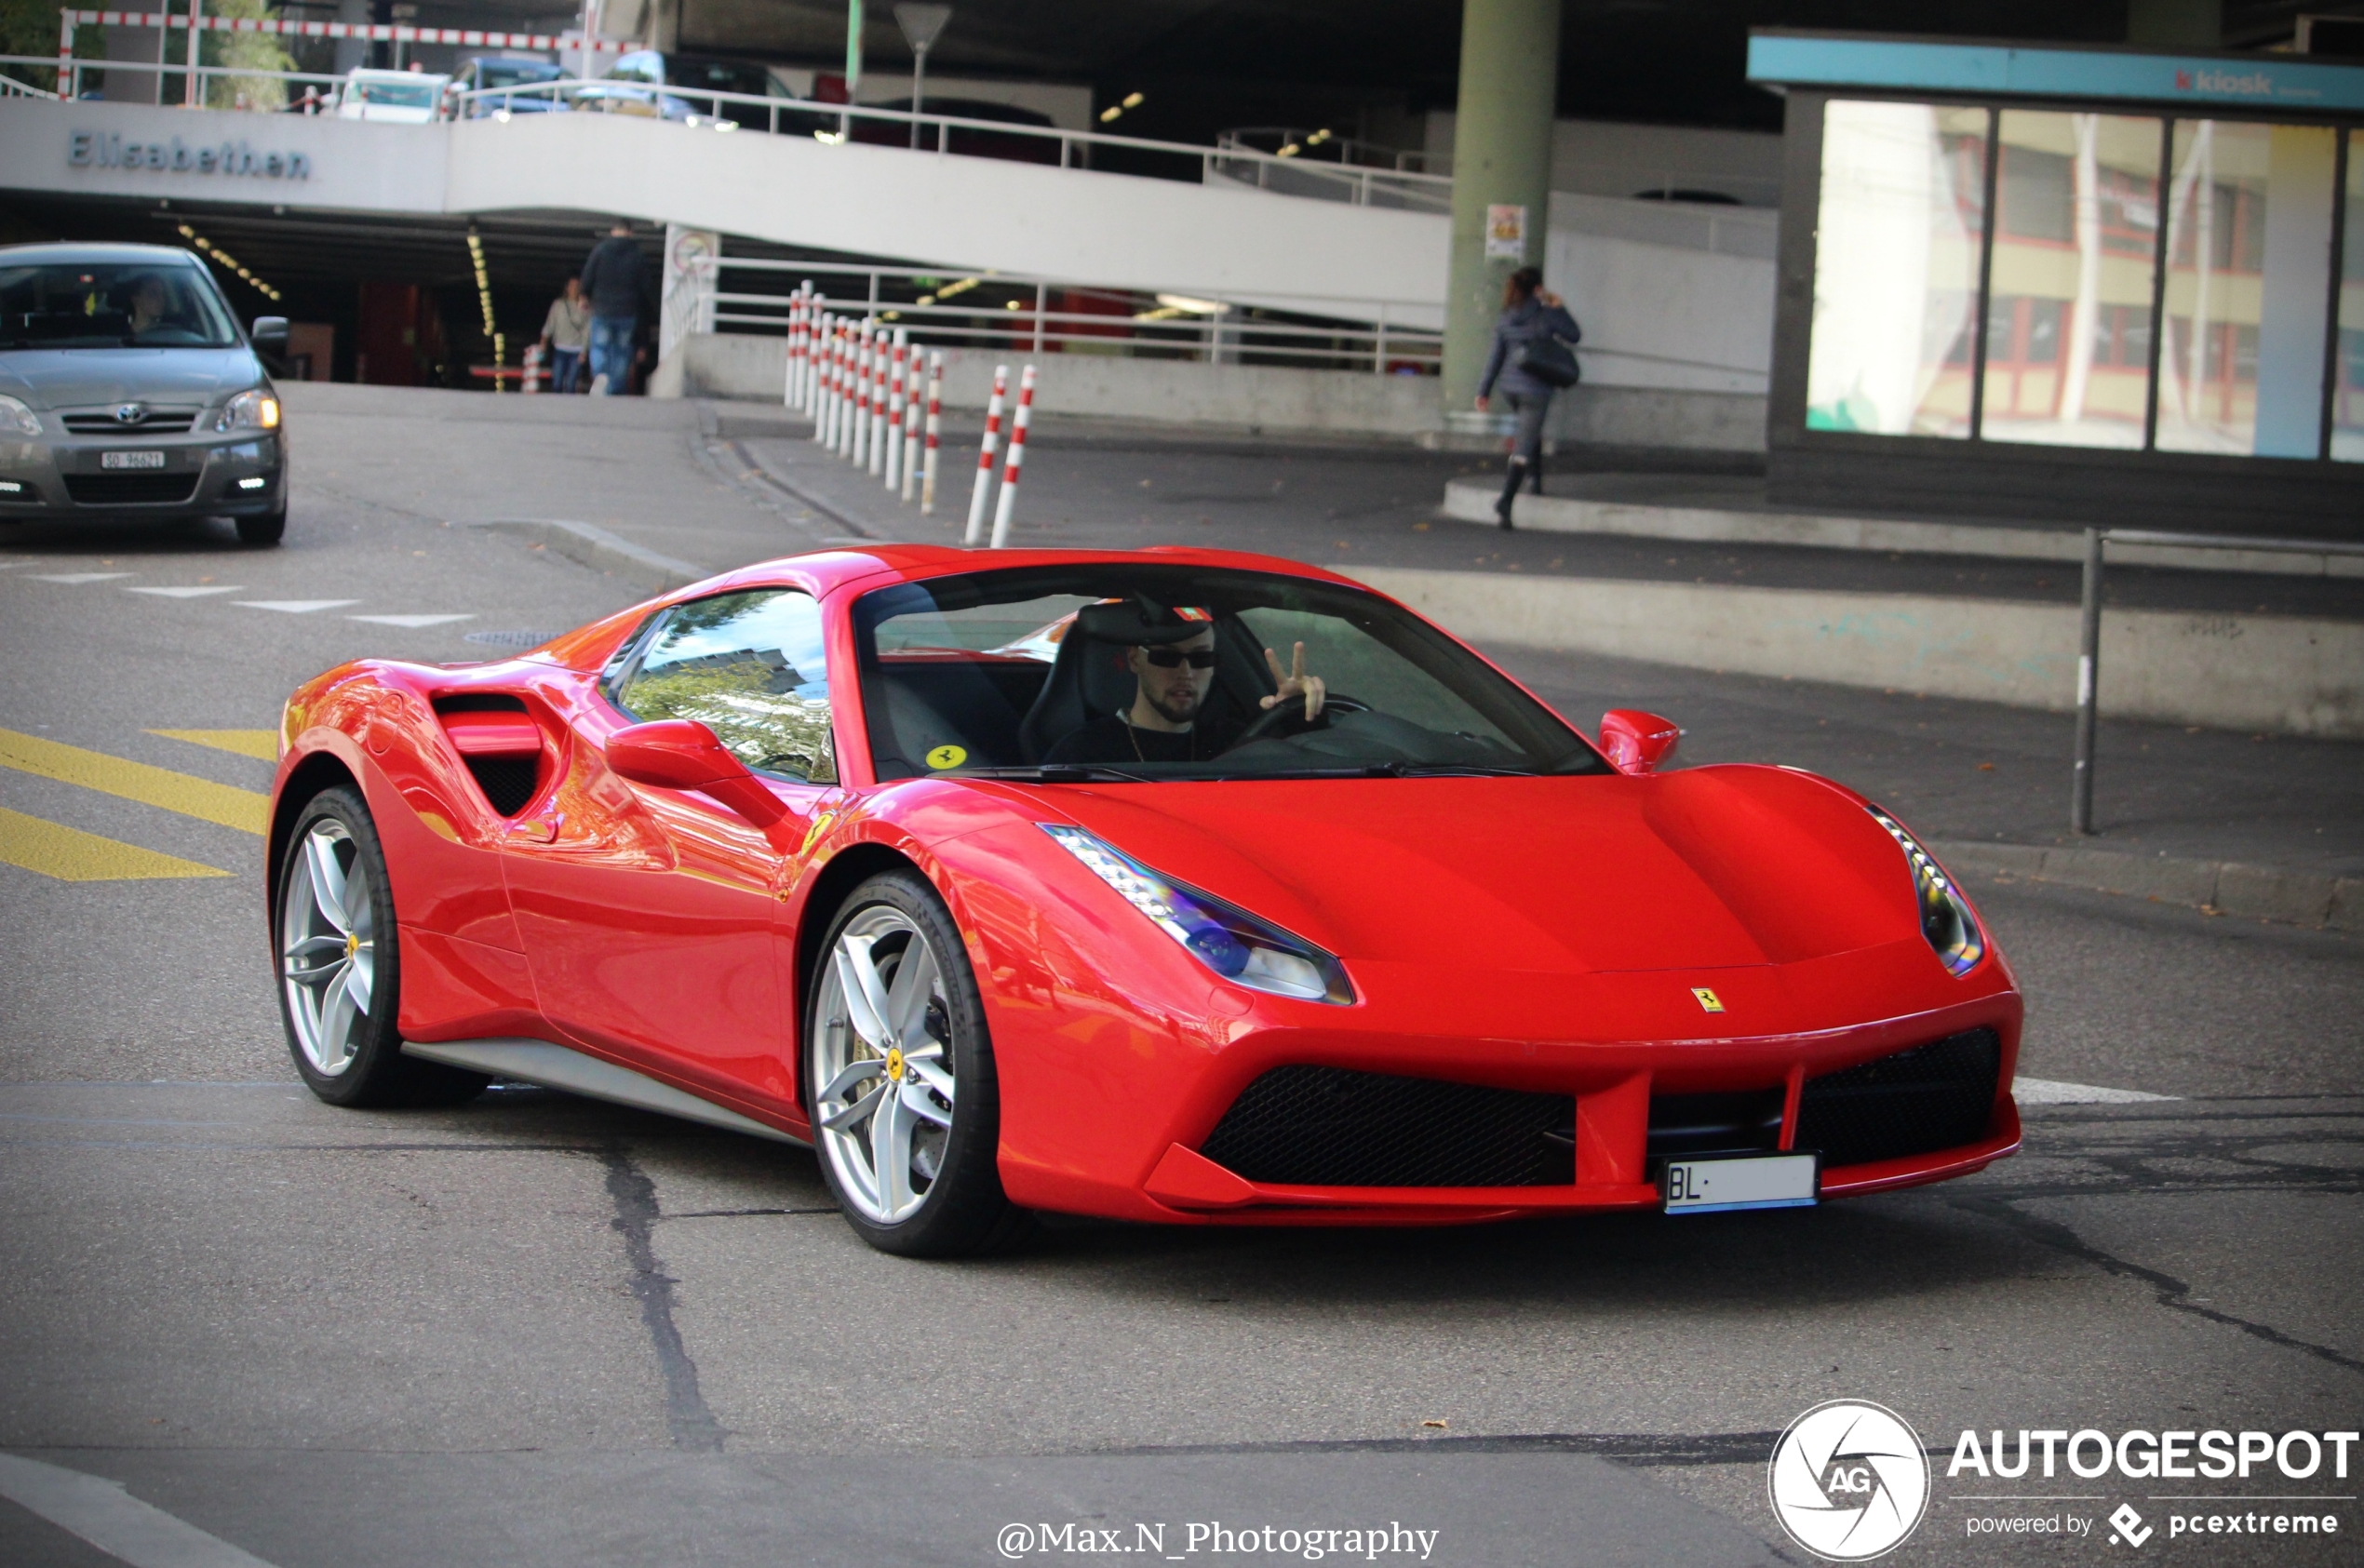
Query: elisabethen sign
point(90, 149)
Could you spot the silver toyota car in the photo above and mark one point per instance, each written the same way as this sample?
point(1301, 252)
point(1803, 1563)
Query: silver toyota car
point(128, 390)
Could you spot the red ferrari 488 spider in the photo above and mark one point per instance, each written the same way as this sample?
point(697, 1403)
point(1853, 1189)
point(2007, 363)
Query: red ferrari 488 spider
point(1165, 885)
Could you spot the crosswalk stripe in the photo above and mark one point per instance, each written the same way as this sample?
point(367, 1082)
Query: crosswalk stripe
point(135, 781)
point(73, 578)
point(263, 743)
point(188, 593)
point(292, 607)
point(71, 855)
point(410, 621)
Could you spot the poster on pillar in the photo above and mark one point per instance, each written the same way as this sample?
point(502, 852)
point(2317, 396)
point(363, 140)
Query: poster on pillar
point(691, 258)
point(1506, 234)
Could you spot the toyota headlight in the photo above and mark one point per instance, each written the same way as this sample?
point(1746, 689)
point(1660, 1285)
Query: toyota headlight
point(18, 419)
point(251, 410)
point(1228, 940)
point(1946, 917)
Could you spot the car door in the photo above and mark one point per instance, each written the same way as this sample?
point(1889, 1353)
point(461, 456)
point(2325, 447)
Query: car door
point(647, 913)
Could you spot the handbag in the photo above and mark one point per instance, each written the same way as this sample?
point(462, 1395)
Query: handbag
point(1551, 362)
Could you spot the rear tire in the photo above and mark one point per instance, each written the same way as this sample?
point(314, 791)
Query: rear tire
point(265, 530)
point(905, 1069)
point(339, 966)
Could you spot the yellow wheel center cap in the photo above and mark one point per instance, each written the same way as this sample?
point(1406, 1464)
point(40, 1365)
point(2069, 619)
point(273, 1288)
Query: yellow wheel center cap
point(895, 1062)
point(352, 943)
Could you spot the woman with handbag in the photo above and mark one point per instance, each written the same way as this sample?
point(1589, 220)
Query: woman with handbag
point(1532, 359)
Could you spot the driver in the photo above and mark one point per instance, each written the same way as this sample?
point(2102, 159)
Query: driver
point(150, 303)
point(1172, 677)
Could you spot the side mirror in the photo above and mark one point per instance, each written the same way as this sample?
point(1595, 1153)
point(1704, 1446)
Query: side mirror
point(1637, 741)
point(270, 334)
point(683, 754)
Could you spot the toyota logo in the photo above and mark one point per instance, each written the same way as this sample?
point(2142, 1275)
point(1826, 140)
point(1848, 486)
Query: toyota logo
point(131, 414)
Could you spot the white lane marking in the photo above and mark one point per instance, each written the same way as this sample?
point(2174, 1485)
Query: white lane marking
point(188, 593)
point(102, 1513)
point(75, 577)
point(413, 622)
point(2048, 1091)
point(294, 606)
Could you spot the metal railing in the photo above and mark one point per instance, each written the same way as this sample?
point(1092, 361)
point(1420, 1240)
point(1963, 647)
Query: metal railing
point(170, 68)
point(1212, 330)
point(835, 123)
point(11, 88)
point(2089, 645)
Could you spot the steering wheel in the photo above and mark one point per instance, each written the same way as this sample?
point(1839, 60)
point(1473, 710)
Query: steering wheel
point(1284, 719)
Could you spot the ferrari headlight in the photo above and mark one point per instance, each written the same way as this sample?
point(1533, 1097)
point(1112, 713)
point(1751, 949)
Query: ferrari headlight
point(251, 410)
point(1946, 917)
point(1225, 938)
point(18, 419)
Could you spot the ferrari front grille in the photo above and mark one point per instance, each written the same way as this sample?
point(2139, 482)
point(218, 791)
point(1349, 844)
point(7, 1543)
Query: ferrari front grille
point(1306, 1126)
point(1749, 1121)
point(1935, 1096)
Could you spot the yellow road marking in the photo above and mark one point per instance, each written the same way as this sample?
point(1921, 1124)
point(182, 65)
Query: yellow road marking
point(135, 781)
point(71, 855)
point(263, 743)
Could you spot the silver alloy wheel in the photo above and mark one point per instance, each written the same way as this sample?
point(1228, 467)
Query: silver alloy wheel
point(885, 1108)
point(328, 946)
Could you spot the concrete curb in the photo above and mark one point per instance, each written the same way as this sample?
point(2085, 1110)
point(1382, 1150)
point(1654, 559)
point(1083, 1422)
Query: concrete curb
point(2227, 886)
point(1471, 501)
point(602, 551)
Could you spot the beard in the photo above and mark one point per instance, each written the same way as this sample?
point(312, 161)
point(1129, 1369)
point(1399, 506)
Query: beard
point(1179, 706)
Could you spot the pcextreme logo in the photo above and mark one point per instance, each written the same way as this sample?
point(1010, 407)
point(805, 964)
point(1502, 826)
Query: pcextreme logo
point(1849, 1480)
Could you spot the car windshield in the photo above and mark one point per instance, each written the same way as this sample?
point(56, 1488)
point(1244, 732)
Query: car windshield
point(515, 72)
point(418, 93)
point(140, 304)
point(1163, 671)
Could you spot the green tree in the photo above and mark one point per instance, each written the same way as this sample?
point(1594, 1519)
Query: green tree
point(30, 27)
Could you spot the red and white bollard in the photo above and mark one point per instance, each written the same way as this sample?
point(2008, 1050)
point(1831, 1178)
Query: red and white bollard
point(934, 431)
point(825, 398)
point(804, 362)
point(894, 412)
point(912, 429)
point(975, 534)
point(1017, 460)
point(793, 376)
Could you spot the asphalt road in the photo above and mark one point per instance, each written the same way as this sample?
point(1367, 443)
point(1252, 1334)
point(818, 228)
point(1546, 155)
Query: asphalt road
point(544, 1330)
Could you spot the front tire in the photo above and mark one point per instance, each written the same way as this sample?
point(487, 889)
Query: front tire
point(265, 530)
point(906, 1108)
point(340, 962)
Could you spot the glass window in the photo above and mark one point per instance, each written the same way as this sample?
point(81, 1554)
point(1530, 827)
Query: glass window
point(1896, 268)
point(2075, 241)
point(111, 305)
point(2249, 236)
point(2347, 391)
point(750, 667)
point(1015, 669)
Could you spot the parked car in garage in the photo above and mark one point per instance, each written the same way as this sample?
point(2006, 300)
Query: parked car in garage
point(490, 74)
point(127, 389)
point(678, 86)
point(396, 97)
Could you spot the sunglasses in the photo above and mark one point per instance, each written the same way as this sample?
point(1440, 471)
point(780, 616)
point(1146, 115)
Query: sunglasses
point(1174, 658)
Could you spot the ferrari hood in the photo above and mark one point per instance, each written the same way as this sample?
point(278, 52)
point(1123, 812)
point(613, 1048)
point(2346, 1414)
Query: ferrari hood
point(1708, 867)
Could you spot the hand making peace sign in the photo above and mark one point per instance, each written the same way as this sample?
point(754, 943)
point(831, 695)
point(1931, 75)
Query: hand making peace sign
point(1295, 681)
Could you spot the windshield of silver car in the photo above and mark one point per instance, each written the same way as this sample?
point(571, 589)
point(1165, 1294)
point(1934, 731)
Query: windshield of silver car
point(138, 304)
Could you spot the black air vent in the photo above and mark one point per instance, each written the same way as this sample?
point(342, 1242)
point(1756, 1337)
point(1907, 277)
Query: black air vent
point(1935, 1096)
point(1746, 1123)
point(1304, 1126)
point(508, 782)
point(131, 490)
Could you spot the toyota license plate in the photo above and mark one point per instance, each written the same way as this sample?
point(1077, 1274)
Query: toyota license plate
point(1713, 1185)
point(131, 460)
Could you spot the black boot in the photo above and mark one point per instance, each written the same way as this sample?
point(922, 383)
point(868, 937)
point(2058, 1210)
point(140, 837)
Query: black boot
point(1511, 489)
point(1534, 474)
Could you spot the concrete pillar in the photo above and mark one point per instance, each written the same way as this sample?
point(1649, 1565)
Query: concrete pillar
point(2175, 24)
point(1501, 156)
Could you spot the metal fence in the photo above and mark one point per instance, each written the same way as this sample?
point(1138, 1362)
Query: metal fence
point(1036, 314)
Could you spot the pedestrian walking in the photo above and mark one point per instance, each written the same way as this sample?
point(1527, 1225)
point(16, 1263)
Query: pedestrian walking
point(566, 332)
point(1531, 361)
point(616, 281)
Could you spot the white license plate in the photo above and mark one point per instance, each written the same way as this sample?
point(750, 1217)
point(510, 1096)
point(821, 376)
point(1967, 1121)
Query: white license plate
point(1771, 1181)
point(131, 460)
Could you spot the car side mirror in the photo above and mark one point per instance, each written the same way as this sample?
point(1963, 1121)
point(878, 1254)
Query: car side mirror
point(683, 754)
point(1637, 741)
point(270, 334)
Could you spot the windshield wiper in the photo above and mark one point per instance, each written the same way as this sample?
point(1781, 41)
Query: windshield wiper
point(1054, 772)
